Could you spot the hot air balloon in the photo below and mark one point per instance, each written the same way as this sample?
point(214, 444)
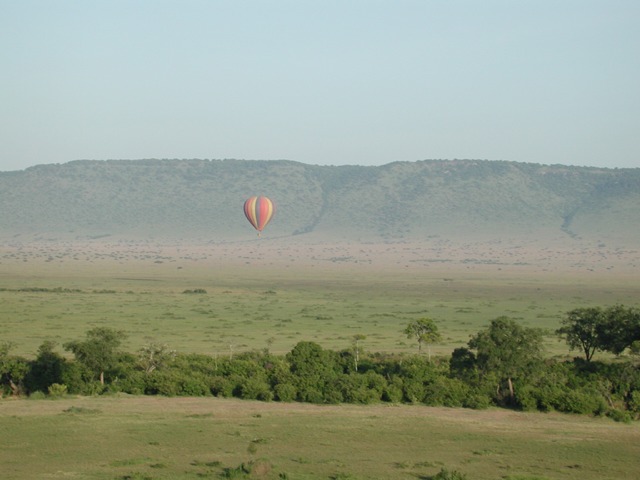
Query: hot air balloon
point(258, 211)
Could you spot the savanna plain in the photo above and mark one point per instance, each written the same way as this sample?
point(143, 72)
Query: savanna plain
point(222, 299)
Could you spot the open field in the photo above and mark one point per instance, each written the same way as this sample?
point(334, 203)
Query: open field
point(262, 290)
point(181, 438)
point(288, 292)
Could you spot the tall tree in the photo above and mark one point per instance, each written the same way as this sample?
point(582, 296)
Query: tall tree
point(593, 329)
point(620, 328)
point(507, 350)
point(313, 368)
point(581, 329)
point(155, 356)
point(12, 369)
point(424, 330)
point(99, 352)
point(46, 369)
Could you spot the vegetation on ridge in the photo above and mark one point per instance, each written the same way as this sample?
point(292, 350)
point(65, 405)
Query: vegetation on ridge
point(402, 200)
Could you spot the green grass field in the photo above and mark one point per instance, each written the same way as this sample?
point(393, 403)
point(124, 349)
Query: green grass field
point(246, 304)
point(189, 438)
point(46, 295)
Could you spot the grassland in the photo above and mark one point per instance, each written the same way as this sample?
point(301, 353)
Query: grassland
point(288, 292)
point(259, 291)
point(189, 438)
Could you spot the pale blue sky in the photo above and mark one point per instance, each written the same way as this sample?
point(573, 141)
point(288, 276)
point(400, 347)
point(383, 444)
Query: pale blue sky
point(320, 82)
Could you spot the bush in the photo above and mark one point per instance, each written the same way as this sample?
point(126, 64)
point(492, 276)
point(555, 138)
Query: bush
point(527, 398)
point(619, 415)
point(633, 404)
point(445, 474)
point(413, 390)
point(75, 377)
point(255, 389)
point(57, 390)
point(285, 392)
point(134, 383)
point(392, 393)
point(333, 397)
point(162, 383)
point(356, 388)
point(477, 400)
point(221, 386)
point(194, 386)
point(37, 395)
point(581, 401)
point(310, 395)
point(561, 398)
point(93, 388)
point(448, 392)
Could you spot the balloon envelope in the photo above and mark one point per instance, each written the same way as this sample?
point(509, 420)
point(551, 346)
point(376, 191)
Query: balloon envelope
point(258, 211)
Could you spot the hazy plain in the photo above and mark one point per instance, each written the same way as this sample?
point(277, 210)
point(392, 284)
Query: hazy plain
point(281, 291)
point(276, 292)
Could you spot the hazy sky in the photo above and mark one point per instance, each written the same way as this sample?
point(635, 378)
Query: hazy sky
point(322, 82)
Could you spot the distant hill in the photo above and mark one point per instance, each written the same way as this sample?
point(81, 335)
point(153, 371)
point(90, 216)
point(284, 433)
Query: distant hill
point(403, 201)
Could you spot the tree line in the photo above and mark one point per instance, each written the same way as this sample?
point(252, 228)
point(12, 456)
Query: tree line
point(502, 365)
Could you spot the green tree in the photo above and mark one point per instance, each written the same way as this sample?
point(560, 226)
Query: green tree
point(12, 369)
point(507, 350)
point(46, 369)
point(463, 365)
point(424, 330)
point(613, 329)
point(582, 328)
point(99, 352)
point(155, 356)
point(620, 328)
point(313, 369)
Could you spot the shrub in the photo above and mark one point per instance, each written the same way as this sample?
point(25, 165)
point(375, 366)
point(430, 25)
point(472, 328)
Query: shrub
point(200, 291)
point(561, 398)
point(162, 383)
point(477, 400)
point(134, 382)
point(445, 474)
point(355, 388)
point(633, 404)
point(57, 390)
point(46, 369)
point(527, 398)
point(619, 415)
point(580, 401)
point(75, 376)
point(37, 395)
point(194, 386)
point(448, 392)
point(310, 395)
point(392, 393)
point(413, 390)
point(221, 386)
point(255, 389)
point(241, 471)
point(93, 388)
point(285, 392)
point(333, 397)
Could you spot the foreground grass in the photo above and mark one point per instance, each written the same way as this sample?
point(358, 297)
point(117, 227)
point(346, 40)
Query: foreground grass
point(182, 438)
